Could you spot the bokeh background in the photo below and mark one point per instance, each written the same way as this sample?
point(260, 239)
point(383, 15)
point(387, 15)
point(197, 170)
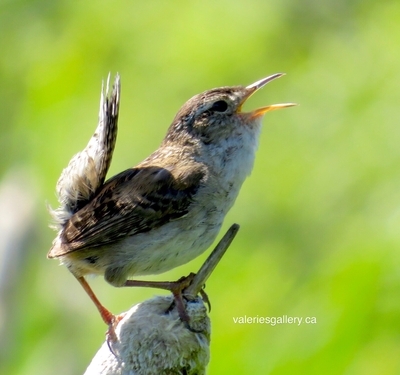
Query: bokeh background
point(319, 216)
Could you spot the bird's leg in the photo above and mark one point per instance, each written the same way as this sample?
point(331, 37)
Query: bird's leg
point(175, 287)
point(108, 317)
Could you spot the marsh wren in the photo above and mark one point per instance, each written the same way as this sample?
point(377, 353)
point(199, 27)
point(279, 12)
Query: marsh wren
point(168, 209)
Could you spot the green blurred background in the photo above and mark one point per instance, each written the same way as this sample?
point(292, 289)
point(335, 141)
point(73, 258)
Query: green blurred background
point(319, 216)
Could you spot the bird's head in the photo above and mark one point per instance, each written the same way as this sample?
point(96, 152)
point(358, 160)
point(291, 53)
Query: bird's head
point(217, 113)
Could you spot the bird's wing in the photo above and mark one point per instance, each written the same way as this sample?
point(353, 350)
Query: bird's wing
point(134, 201)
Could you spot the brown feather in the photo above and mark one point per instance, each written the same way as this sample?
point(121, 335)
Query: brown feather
point(134, 201)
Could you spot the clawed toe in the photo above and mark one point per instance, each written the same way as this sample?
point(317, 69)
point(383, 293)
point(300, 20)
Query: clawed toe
point(111, 336)
point(177, 289)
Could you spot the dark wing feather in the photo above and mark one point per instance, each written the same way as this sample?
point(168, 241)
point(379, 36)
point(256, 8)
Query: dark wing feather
point(134, 201)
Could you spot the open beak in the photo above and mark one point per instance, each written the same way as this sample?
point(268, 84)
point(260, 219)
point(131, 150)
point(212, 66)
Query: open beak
point(251, 89)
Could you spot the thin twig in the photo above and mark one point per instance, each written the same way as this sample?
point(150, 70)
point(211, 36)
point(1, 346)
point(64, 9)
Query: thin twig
point(209, 265)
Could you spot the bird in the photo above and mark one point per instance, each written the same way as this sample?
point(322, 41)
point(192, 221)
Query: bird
point(169, 208)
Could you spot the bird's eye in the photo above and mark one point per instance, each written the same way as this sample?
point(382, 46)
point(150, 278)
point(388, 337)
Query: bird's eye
point(220, 106)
